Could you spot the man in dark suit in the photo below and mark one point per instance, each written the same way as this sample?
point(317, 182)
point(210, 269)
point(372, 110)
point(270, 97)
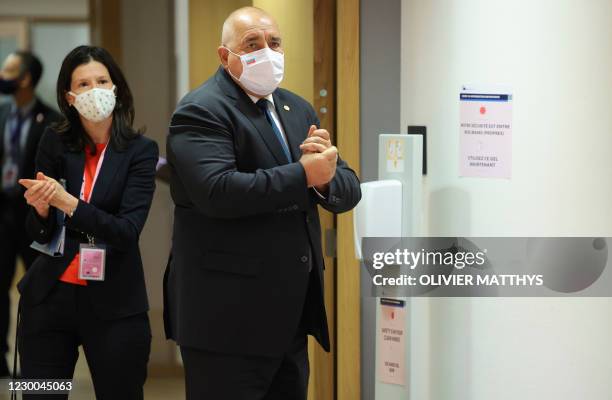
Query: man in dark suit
point(22, 122)
point(248, 167)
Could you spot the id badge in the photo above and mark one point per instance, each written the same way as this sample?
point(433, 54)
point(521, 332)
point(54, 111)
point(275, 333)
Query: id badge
point(92, 261)
point(9, 175)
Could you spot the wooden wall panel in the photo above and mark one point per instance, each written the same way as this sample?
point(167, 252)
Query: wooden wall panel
point(296, 25)
point(205, 22)
point(348, 282)
point(324, 374)
point(105, 26)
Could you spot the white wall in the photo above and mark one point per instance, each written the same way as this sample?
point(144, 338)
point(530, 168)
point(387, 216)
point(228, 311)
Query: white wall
point(557, 55)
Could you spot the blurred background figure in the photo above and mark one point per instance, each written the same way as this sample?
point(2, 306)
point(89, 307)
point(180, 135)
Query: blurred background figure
point(22, 121)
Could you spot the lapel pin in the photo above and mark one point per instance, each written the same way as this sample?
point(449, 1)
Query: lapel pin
point(40, 117)
point(286, 107)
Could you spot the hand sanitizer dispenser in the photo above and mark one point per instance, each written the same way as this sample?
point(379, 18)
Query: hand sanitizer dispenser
point(379, 213)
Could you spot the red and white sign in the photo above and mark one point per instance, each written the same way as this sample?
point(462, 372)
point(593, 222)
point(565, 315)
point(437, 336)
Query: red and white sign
point(391, 338)
point(485, 132)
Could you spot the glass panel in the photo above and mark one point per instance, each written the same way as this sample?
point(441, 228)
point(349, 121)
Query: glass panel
point(51, 41)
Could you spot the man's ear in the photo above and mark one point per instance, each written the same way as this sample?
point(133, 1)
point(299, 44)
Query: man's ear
point(223, 54)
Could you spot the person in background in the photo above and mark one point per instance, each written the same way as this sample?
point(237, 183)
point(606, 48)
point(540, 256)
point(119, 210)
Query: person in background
point(94, 294)
point(22, 122)
point(249, 167)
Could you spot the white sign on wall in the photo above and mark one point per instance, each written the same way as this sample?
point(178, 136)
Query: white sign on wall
point(391, 338)
point(485, 132)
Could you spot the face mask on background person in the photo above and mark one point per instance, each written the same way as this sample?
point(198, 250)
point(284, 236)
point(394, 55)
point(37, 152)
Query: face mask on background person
point(96, 104)
point(8, 86)
point(262, 70)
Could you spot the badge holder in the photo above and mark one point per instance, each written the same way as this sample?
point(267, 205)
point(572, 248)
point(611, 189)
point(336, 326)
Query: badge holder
point(9, 175)
point(92, 260)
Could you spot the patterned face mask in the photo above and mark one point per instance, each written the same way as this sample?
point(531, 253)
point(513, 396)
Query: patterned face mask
point(96, 104)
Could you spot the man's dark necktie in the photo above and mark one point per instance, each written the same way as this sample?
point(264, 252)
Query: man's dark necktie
point(15, 138)
point(14, 153)
point(263, 105)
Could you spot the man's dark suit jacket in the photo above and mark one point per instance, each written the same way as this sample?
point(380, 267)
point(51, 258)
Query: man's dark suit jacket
point(246, 225)
point(42, 116)
point(115, 216)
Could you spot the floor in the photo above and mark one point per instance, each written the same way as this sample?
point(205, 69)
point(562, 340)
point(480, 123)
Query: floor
point(160, 385)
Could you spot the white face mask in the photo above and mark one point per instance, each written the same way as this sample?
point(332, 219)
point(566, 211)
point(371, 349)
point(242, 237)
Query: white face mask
point(96, 104)
point(262, 70)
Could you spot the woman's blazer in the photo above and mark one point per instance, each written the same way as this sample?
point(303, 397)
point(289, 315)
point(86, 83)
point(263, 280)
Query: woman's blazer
point(115, 216)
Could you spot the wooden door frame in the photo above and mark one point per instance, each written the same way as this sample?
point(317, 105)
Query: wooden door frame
point(323, 377)
point(348, 298)
point(105, 26)
point(336, 70)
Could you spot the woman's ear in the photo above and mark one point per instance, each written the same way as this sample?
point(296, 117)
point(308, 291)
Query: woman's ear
point(69, 98)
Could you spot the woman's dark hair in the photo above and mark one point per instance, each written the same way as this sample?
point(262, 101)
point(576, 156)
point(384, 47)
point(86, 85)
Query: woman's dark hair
point(70, 127)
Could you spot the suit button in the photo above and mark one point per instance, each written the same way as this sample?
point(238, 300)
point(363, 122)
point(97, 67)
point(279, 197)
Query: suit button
point(304, 259)
point(42, 231)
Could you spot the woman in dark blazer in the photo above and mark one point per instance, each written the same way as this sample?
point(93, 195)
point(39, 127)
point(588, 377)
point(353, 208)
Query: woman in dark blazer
point(108, 169)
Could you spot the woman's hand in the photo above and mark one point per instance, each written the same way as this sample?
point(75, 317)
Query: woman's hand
point(60, 198)
point(38, 194)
